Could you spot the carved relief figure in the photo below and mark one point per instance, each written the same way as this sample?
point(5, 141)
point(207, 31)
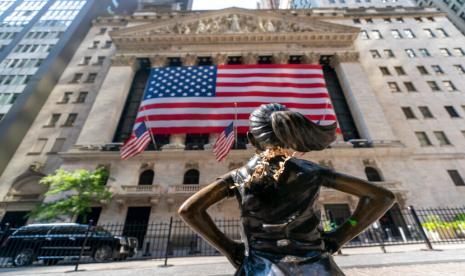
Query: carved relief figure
point(235, 26)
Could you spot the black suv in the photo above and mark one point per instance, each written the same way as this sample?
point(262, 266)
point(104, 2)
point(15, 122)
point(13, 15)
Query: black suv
point(53, 242)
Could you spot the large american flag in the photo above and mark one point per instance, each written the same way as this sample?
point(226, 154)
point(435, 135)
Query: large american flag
point(202, 99)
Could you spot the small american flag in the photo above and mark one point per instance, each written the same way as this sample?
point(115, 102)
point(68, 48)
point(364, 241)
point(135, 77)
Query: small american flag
point(201, 99)
point(137, 143)
point(224, 143)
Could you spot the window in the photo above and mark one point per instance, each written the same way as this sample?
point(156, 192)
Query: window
point(376, 34)
point(437, 69)
point(449, 86)
point(431, 19)
point(364, 35)
point(418, 19)
point(146, 177)
point(66, 97)
point(77, 77)
point(102, 31)
point(442, 138)
point(409, 86)
point(387, 20)
point(422, 70)
point(384, 71)
point(409, 33)
point(442, 32)
point(456, 178)
point(410, 53)
point(100, 60)
point(94, 44)
point(191, 177)
point(451, 111)
point(13, 98)
point(375, 54)
point(107, 44)
point(408, 112)
point(85, 61)
point(429, 33)
point(70, 120)
point(81, 97)
point(445, 52)
point(57, 146)
point(393, 86)
point(399, 19)
point(53, 120)
point(373, 174)
point(423, 138)
point(399, 70)
point(356, 20)
point(91, 77)
point(459, 52)
point(369, 20)
point(424, 52)
point(38, 146)
point(424, 110)
point(396, 34)
point(433, 85)
point(389, 53)
point(459, 68)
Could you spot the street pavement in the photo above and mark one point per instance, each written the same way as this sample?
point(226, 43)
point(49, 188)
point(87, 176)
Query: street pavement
point(414, 260)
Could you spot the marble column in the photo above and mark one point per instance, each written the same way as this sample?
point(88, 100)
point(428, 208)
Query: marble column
point(106, 111)
point(367, 112)
point(250, 58)
point(281, 58)
point(178, 141)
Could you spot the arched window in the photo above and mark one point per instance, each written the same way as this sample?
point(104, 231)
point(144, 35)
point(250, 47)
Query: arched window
point(373, 174)
point(146, 177)
point(191, 177)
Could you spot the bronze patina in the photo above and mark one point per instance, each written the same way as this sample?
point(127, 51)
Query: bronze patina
point(277, 196)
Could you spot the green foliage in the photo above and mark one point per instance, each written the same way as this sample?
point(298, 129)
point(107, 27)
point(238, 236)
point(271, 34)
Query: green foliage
point(72, 193)
point(434, 223)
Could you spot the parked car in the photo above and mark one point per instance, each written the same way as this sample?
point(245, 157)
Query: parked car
point(53, 242)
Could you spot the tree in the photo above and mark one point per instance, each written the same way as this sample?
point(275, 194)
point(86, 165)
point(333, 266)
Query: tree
point(72, 193)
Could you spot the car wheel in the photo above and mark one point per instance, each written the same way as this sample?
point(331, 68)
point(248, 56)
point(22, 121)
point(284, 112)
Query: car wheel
point(25, 257)
point(103, 253)
point(51, 262)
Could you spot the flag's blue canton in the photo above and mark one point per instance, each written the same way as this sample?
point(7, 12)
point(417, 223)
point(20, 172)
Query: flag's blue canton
point(229, 129)
point(140, 130)
point(189, 81)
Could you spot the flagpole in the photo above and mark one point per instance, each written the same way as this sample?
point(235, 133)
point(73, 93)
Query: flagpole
point(235, 124)
point(150, 131)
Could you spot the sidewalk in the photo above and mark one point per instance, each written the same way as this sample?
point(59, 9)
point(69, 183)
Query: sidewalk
point(354, 262)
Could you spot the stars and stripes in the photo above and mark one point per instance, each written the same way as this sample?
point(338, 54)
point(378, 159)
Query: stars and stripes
point(200, 99)
point(137, 143)
point(224, 143)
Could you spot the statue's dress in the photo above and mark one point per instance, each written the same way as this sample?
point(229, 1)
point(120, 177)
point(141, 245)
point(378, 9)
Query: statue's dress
point(281, 225)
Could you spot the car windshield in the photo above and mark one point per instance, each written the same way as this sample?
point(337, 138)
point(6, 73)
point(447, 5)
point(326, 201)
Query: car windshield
point(101, 232)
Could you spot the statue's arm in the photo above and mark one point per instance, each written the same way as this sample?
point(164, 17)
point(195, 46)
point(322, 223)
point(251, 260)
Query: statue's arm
point(373, 202)
point(194, 212)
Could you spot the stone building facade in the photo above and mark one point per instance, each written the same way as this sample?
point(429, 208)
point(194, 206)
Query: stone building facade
point(397, 91)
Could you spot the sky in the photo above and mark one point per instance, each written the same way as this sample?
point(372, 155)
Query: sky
point(221, 4)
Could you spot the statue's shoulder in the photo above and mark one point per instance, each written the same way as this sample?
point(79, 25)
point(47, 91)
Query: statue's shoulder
point(305, 166)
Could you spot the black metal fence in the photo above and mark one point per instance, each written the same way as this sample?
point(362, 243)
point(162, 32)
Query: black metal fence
point(173, 238)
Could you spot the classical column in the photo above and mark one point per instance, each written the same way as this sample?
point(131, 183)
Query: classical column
point(106, 111)
point(363, 103)
point(220, 59)
point(281, 58)
point(158, 61)
point(250, 58)
point(178, 141)
point(311, 58)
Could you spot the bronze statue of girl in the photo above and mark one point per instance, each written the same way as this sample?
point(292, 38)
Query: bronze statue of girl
point(277, 196)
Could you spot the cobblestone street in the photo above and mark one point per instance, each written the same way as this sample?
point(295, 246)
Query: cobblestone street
point(410, 270)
